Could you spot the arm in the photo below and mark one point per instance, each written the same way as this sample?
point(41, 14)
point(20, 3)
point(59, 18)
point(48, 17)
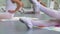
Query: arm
point(43, 4)
point(18, 3)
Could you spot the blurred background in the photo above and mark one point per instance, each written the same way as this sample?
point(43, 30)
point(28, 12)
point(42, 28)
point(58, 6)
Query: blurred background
point(28, 6)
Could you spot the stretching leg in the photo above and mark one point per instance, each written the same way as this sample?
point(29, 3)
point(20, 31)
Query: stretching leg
point(50, 12)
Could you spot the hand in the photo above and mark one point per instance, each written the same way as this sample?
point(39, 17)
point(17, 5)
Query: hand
point(11, 11)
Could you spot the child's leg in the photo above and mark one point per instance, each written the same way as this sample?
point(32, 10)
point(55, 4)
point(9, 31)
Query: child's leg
point(38, 23)
point(50, 12)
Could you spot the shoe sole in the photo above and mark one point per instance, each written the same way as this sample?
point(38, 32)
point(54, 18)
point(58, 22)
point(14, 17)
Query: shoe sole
point(24, 23)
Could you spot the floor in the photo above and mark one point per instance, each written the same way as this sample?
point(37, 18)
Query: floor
point(16, 27)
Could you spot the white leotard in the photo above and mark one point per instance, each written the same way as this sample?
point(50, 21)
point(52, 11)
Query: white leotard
point(10, 6)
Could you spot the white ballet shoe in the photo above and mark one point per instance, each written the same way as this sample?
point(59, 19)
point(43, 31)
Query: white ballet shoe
point(27, 22)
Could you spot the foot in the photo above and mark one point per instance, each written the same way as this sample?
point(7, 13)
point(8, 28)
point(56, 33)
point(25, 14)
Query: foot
point(26, 22)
